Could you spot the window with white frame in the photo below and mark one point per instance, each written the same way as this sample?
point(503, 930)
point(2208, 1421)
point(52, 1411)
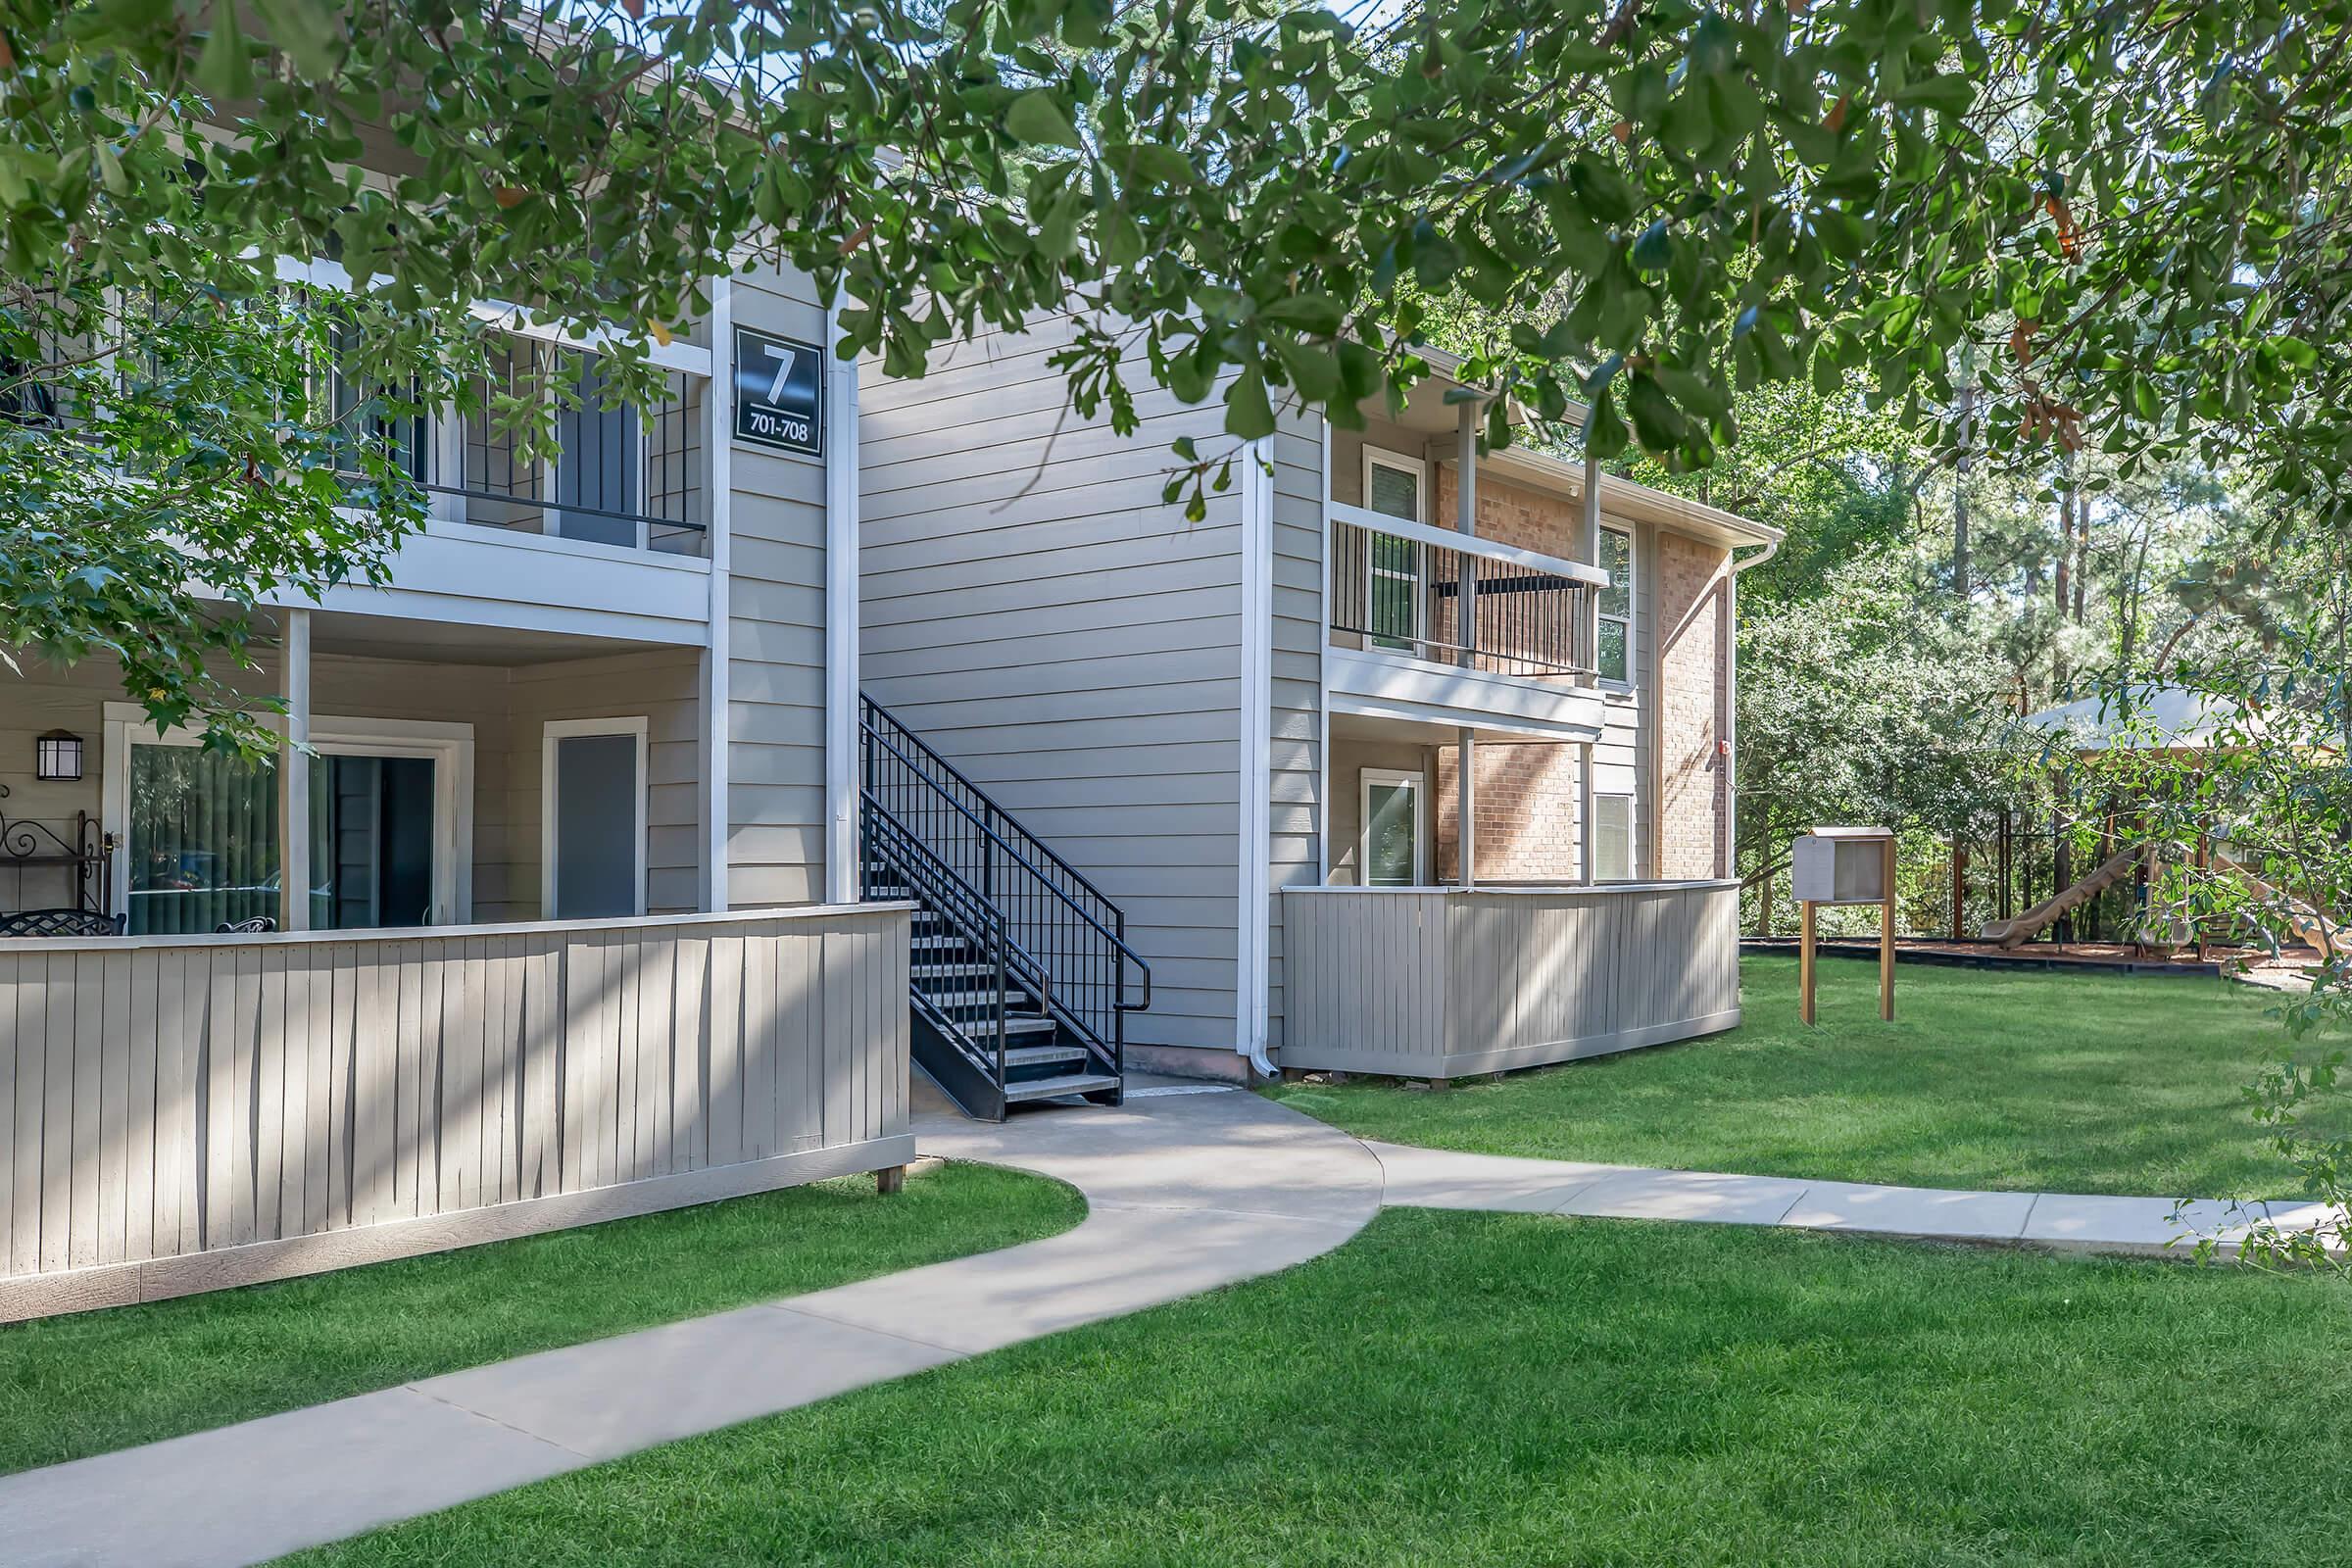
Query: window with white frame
point(1394, 485)
point(1390, 852)
point(592, 818)
point(1612, 838)
point(1615, 657)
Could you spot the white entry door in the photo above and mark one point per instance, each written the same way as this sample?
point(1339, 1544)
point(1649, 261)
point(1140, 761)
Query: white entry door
point(592, 835)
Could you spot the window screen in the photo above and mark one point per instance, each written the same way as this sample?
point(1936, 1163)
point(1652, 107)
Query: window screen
point(1615, 659)
point(1613, 838)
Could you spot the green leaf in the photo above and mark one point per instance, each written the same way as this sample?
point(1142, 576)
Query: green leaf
point(225, 67)
point(1318, 314)
point(1037, 118)
point(1951, 96)
point(1153, 161)
point(1247, 413)
point(310, 31)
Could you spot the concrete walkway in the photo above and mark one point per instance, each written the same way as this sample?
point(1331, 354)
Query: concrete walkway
point(1187, 1190)
point(1184, 1192)
point(1433, 1178)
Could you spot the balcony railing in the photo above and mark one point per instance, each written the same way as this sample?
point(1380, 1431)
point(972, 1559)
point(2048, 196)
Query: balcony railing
point(518, 512)
point(1403, 586)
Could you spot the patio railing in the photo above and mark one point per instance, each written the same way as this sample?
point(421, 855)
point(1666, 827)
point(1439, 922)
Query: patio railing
point(1444, 983)
point(191, 1112)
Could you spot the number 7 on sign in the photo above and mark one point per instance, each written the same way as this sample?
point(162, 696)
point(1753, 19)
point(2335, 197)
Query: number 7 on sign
point(785, 358)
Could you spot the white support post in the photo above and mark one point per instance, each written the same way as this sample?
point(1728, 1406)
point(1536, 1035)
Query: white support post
point(1589, 553)
point(1465, 520)
point(1583, 812)
point(719, 440)
point(841, 620)
point(294, 778)
point(1465, 795)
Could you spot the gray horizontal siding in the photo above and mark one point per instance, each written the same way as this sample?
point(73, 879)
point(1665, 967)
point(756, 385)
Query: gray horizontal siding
point(776, 640)
point(1033, 610)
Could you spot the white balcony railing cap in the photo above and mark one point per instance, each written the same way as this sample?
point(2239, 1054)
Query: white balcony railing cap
point(1468, 544)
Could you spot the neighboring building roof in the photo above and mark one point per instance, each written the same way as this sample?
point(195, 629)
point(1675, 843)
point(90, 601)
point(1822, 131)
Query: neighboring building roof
point(2146, 719)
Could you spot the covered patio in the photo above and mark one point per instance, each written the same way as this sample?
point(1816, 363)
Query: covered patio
point(445, 775)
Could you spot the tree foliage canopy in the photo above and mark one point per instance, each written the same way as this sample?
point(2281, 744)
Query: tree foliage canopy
point(2123, 223)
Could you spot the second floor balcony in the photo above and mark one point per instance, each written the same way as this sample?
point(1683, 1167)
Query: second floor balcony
point(1434, 626)
point(618, 476)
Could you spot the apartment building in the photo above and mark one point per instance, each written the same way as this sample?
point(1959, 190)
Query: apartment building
point(1247, 733)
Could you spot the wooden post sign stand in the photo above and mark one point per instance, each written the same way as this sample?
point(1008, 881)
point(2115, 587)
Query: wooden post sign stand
point(1844, 865)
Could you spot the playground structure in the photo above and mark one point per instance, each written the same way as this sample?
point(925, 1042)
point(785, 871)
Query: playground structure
point(2169, 720)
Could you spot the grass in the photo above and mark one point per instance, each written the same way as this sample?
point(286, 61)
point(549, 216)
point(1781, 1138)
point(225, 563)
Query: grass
point(86, 1384)
point(1512, 1389)
point(2004, 1080)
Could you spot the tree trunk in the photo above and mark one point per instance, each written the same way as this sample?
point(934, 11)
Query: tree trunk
point(2059, 671)
point(1959, 890)
point(1968, 438)
point(2082, 552)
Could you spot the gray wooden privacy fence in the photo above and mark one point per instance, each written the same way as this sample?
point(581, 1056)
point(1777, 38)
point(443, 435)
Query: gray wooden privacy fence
point(1435, 983)
point(188, 1112)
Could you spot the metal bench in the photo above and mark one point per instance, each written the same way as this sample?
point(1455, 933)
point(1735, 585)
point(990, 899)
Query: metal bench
point(61, 923)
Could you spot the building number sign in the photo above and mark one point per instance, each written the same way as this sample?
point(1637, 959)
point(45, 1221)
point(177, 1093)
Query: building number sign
point(779, 392)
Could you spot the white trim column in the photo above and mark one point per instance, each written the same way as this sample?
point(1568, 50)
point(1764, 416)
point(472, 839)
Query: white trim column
point(1583, 812)
point(1465, 520)
point(718, 408)
point(294, 777)
point(1589, 553)
point(841, 620)
point(1465, 806)
point(1254, 914)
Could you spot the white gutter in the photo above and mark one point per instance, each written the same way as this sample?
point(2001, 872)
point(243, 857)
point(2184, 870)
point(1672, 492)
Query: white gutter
point(1731, 708)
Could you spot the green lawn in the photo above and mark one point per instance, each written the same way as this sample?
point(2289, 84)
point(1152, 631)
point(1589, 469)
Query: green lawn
point(2015, 1081)
point(82, 1385)
point(1468, 1389)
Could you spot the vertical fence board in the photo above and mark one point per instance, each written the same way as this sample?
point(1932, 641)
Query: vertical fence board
point(270, 1088)
point(138, 1235)
point(758, 1047)
point(56, 1139)
point(164, 1099)
point(690, 1043)
point(726, 1050)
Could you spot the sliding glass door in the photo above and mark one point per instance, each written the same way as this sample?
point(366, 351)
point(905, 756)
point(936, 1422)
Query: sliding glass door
point(202, 847)
point(371, 842)
point(201, 844)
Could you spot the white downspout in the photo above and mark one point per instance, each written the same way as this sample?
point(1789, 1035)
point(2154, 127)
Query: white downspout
point(1255, 969)
point(1731, 705)
point(841, 619)
point(718, 414)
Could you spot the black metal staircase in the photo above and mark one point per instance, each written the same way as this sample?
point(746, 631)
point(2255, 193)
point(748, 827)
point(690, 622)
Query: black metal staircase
point(1020, 966)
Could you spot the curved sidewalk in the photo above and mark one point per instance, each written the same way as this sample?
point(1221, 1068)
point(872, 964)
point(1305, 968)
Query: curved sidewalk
point(1435, 1178)
point(1184, 1192)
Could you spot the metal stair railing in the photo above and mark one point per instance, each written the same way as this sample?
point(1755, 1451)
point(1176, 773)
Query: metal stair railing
point(1053, 916)
point(890, 848)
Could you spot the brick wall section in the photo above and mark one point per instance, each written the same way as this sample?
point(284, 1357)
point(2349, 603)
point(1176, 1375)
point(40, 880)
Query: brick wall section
point(1511, 516)
point(1526, 810)
point(1525, 793)
point(1691, 631)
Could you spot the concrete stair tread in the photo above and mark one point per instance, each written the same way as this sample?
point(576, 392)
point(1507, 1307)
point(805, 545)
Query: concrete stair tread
point(1079, 1083)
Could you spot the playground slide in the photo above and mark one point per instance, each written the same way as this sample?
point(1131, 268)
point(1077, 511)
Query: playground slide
point(2011, 933)
point(2306, 921)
